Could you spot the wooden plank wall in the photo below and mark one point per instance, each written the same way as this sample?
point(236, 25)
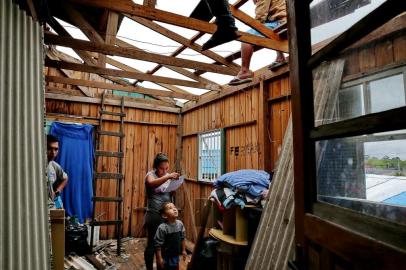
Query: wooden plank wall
point(279, 113)
point(239, 108)
point(388, 51)
point(142, 142)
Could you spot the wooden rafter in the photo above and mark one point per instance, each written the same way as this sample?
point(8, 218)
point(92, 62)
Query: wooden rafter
point(179, 70)
point(133, 89)
point(212, 96)
point(234, 56)
point(58, 28)
point(128, 7)
point(32, 10)
point(69, 74)
point(88, 59)
point(184, 41)
point(149, 3)
point(125, 67)
point(126, 74)
point(111, 32)
point(231, 57)
point(85, 27)
point(52, 39)
point(142, 104)
point(255, 24)
point(93, 35)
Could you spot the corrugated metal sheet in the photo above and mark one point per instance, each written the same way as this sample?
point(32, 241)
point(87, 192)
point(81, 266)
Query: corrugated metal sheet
point(273, 245)
point(23, 210)
point(274, 240)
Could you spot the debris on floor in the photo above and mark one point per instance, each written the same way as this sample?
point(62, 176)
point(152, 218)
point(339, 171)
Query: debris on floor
point(105, 256)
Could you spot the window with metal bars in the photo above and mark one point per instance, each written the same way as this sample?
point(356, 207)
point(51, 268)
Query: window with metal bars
point(210, 149)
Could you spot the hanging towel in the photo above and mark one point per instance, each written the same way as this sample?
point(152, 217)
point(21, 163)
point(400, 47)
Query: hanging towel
point(76, 158)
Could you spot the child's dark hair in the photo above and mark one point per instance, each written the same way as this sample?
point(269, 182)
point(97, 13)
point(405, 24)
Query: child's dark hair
point(159, 158)
point(163, 207)
point(51, 139)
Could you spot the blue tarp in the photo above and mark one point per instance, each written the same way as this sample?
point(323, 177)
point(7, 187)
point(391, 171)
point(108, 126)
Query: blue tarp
point(399, 199)
point(76, 158)
point(252, 182)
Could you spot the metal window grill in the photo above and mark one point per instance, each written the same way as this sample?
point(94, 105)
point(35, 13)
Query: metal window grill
point(210, 155)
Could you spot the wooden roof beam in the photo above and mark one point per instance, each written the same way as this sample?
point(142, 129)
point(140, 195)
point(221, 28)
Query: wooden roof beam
point(125, 67)
point(58, 28)
point(141, 104)
point(52, 39)
point(179, 70)
point(128, 7)
point(237, 4)
point(184, 41)
point(93, 35)
point(111, 31)
point(149, 3)
point(69, 74)
point(255, 24)
point(85, 27)
point(126, 74)
point(110, 86)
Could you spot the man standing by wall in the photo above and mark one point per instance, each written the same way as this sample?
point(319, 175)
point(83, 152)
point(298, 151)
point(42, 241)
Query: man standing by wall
point(56, 177)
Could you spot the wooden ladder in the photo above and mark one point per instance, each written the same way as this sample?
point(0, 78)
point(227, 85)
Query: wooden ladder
point(100, 175)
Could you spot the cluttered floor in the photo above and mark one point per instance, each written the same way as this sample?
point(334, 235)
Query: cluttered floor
point(131, 258)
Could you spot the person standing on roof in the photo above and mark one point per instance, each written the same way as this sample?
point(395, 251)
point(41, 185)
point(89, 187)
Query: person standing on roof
point(272, 14)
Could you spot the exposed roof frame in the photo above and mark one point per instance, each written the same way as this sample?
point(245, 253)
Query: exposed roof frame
point(184, 41)
point(179, 70)
point(111, 86)
point(126, 74)
point(93, 35)
point(144, 15)
point(128, 7)
point(230, 58)
point(99, 47)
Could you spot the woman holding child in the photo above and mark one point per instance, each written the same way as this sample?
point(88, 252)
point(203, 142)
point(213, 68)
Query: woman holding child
point(155, 199)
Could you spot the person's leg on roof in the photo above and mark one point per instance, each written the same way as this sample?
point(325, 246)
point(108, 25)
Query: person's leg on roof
point(226, 29)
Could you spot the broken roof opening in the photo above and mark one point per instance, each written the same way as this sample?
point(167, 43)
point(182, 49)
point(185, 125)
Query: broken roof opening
point(164, 49)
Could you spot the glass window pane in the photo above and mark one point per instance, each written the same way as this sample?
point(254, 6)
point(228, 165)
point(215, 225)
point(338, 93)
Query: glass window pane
point(387, 93)
point(332, 17)
point(209, 159)
point(365, 173)
point(351, 102)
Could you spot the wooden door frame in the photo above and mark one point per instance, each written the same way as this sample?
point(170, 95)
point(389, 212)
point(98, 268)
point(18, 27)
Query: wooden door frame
point(305, 135)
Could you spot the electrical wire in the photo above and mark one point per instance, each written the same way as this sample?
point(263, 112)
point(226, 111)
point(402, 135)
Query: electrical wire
point(153, 44)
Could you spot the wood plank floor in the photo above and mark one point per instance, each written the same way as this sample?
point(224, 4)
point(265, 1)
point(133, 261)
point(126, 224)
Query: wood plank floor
point(134, 248)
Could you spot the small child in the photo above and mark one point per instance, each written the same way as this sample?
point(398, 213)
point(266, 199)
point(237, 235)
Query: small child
point(169, 239)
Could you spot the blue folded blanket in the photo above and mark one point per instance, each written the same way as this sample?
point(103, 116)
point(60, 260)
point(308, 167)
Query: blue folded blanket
point(252, 182)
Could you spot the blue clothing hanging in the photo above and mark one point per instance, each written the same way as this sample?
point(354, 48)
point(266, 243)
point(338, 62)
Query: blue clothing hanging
point(76, 158)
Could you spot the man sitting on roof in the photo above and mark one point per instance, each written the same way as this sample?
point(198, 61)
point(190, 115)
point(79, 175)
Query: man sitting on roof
point(226, 29)
point(272, 13)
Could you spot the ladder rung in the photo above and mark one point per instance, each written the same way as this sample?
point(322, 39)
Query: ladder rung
point(111, 133)
point(106, 222)
point(106, 175)
point(113, 113)
point(107, 199)
point(109, 154)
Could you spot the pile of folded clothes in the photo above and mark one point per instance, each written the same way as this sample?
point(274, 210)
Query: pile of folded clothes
point(240, 188)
